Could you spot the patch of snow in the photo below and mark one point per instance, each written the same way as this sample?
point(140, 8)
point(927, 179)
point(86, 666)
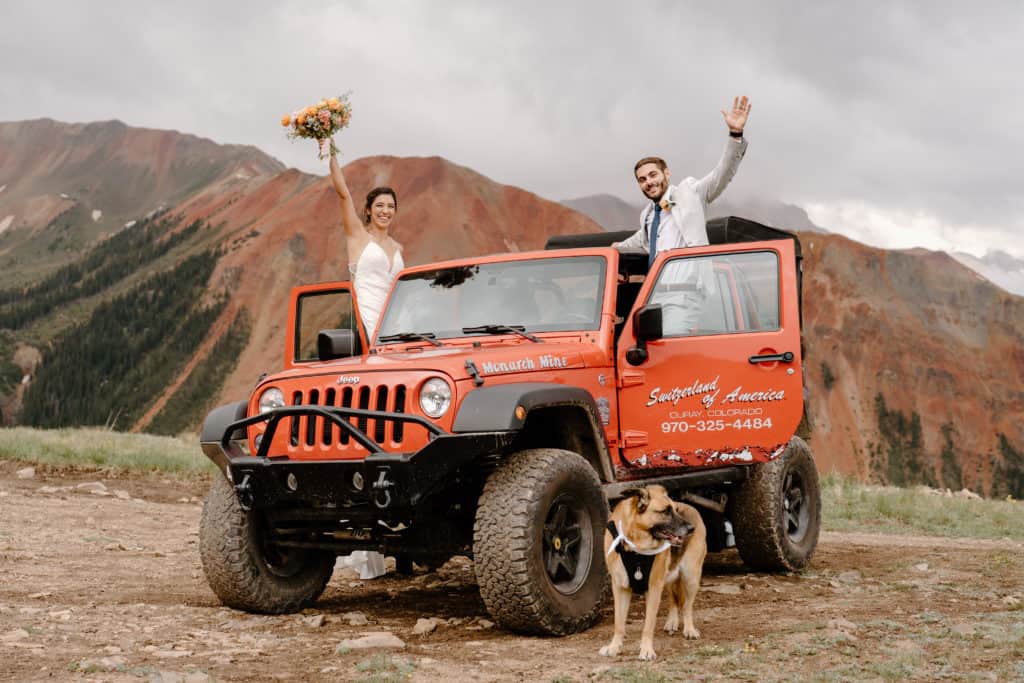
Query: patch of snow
point(2, 188)
point(96, 214)
point(64, 196)
point(6, 223)
point(129, 224)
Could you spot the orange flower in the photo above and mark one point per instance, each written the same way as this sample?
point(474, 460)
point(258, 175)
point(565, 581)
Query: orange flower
point(310, 111)
point(286, 120)
point(301, 119)
point(321, 104)
point(334, 103)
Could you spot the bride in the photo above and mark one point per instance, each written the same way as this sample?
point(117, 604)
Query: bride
point(374, 260)
point(374, 256)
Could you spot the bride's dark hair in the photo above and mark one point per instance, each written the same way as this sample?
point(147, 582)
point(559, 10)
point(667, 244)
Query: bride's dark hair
point(373, 194)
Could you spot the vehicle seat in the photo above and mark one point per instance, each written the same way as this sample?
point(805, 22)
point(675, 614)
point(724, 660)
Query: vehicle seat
point(625, 297)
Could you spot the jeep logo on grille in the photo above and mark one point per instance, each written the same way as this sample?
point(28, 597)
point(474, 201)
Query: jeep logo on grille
point(347, 379)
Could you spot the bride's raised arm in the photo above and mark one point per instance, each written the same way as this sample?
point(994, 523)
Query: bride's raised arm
point(350, 222)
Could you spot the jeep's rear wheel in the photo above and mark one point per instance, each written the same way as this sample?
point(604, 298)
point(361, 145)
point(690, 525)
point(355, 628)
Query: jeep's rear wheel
point(776, 512)
point(248, 573)
point(538, 543)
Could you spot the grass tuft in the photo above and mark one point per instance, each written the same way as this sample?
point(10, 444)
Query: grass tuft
point(848, 505)
point(91, 448)
point(384, 669)
point(629, 674)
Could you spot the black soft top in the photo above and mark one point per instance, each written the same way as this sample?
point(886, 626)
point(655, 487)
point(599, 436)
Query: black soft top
point(728, 230)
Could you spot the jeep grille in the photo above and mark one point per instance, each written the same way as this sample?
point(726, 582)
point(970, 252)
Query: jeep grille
point(316, 431)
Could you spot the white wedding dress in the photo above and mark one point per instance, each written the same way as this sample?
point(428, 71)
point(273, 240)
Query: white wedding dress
point(372, 275)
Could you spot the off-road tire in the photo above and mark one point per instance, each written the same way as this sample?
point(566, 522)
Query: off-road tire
point(241, 570)
point(532, 495)
point(776, 512)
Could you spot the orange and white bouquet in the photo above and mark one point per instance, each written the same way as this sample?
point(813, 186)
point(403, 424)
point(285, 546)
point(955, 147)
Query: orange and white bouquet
point(319, 121)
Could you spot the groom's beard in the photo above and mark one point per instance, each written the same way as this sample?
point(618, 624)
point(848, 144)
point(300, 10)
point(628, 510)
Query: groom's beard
point(657, 192)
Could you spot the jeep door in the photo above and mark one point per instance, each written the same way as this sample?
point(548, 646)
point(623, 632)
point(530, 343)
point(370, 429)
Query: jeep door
point(722, 382)
point(313, 308)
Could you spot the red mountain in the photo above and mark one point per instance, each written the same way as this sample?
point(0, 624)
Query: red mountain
point(928, 335)
point(89, 179)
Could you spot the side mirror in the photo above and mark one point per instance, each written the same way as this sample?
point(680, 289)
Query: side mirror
point(331, 344)
point(647, 323)
point(646, 326)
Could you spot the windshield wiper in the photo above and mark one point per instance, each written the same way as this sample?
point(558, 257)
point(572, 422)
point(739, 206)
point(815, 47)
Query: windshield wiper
point(498, 329)
point(411, 336)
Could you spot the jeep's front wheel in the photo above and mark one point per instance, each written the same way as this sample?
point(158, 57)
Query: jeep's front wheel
point(538, 543)
point(244, 570)
point(776, 512)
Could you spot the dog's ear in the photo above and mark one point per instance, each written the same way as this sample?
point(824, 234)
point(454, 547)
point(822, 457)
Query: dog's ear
point(643, 498)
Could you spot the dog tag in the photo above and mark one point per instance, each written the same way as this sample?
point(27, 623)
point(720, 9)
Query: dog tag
point(638, 575)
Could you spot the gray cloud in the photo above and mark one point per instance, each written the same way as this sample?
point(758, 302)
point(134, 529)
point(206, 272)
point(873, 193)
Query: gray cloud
point(907, 109)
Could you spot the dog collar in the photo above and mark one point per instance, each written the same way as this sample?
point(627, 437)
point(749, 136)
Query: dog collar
point(622, 539)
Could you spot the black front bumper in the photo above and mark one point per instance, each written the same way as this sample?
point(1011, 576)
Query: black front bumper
point(382, 481)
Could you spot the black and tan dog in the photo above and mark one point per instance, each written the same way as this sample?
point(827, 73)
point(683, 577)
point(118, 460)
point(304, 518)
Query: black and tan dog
point(653, 542)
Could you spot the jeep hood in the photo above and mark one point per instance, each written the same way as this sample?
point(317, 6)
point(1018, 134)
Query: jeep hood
point(489, 360)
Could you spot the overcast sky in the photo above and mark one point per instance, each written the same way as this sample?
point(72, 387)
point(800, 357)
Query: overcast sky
point(895, 123)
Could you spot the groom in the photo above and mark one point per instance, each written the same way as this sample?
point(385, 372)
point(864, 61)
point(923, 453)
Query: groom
point(674, 217)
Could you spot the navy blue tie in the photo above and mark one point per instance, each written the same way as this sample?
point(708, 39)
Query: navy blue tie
point(653, 249)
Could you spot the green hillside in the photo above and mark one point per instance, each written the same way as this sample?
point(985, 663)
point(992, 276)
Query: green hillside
point(117, 325)
point(109, 369)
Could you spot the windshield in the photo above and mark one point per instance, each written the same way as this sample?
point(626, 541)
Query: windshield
point(543, 295)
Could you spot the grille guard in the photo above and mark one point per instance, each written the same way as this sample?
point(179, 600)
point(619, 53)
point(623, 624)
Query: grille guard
point(336, 415)
point(395, 482)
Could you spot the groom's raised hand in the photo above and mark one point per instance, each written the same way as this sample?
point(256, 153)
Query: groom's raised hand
point(736, 118)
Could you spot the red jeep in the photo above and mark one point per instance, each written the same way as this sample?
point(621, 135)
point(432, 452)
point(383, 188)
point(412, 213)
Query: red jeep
point(501, 404)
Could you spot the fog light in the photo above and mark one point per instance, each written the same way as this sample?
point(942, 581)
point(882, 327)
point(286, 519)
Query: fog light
point(520, 412)
point(293, 483)
point(357, 481)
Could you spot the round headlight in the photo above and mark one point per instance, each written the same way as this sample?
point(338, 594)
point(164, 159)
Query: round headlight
point(270, 399)
point(435, 397)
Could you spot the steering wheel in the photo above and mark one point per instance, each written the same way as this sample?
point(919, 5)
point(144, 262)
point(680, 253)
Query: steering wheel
point(551, 287)
point(560, 302)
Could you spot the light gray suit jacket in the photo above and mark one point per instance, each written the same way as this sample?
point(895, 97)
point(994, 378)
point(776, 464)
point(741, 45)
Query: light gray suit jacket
point(689, 199)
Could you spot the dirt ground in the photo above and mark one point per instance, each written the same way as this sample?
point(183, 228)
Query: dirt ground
point(100, 580)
